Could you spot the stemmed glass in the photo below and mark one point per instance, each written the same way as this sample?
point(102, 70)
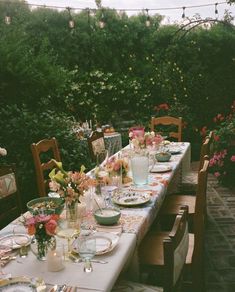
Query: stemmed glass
point(86, 248)
point(21, 239)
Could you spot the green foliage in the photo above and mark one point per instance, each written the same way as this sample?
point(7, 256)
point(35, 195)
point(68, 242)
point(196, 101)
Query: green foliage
point(21, 127)
point(222, 163)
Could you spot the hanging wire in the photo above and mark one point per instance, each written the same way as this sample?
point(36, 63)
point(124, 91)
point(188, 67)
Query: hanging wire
point(71, 21)
point(147, 22)
point(122, 9)
point(183, 14)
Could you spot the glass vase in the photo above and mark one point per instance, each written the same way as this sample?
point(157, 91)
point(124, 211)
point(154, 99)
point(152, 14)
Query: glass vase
point(40, 246)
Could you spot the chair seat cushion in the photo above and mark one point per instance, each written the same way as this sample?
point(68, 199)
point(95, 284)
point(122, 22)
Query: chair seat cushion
point(172, 204)
point(189, 182)
point(151, 249)
point(126, 286)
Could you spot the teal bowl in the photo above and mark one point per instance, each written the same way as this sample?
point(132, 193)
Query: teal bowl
point(107, 216)
point(163, 156)
point(46, 205)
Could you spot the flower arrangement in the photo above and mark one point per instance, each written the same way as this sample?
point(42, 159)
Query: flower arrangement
point(141, 140)
point(222, 163)
point(69, 185)
point(43, 227)
point(114, 165)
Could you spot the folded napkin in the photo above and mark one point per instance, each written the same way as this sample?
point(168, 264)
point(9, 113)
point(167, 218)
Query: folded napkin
point(117, 229)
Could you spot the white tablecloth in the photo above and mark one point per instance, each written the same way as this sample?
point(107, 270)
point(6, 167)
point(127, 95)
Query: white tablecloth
point(135, 223)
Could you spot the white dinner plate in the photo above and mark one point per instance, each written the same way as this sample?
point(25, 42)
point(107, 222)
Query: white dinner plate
point(19, 284)
point(131, 198)
point(105, 242)
point(158, 168)
point(13, 240)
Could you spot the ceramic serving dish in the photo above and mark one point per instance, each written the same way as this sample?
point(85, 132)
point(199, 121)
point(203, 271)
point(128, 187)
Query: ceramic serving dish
point(46, 205)
point(107, 216)
point(163, 156)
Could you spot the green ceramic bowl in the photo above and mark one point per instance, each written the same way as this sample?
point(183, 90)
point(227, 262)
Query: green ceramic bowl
point(107, 216)
point(163, 156)
point(46, 205)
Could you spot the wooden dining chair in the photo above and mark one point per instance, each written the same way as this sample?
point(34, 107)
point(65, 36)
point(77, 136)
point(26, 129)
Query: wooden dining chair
point(10, 200)
point(163, 254)
point(96, 144)
point(172, 203)
point(168, 122)
point(44, 152)
point(189, 180)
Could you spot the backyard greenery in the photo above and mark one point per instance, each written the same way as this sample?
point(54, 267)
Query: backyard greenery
point(52, 75)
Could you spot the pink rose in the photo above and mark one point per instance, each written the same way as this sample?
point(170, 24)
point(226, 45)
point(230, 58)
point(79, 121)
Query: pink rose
point(233, 158)
point(216, 174)
point(51, 227)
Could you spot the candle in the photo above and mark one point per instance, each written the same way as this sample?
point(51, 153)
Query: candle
point(90, 124)
point(54, 261)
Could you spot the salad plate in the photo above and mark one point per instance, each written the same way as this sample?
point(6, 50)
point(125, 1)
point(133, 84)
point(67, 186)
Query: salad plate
point(105, 242)
point(11, 239)
point(131, 198)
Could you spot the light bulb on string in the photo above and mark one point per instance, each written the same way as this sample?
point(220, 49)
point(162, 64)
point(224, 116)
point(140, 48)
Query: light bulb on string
point(147, 22)
point(183, 14)
point(71, 21)
point(216, 9)
point(7, 19)
point(101, 21)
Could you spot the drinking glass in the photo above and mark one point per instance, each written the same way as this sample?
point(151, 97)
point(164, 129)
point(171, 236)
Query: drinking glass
point(86, 245)
point(21, 239)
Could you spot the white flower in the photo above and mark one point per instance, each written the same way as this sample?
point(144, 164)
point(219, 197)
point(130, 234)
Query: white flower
point(3, 152)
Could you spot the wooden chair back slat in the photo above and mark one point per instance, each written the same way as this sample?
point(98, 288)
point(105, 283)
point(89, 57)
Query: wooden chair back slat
point(96, 144)
point(38, 149)
point(167, 121)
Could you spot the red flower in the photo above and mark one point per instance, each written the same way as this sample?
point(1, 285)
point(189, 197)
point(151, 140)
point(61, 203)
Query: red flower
point(216, 138)
point(51, 227)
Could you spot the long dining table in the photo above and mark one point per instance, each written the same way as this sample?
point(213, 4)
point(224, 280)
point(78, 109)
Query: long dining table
point(134, 222)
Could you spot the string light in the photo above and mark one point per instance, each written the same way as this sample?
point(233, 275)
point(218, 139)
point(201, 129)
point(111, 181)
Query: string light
point(216, 9)
point(147, 22)
point(183, 14)
point(71, 21)
point(101, 21)
point(8, 19)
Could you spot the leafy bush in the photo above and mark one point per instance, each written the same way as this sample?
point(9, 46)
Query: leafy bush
point(20, 128)
point(222, 164)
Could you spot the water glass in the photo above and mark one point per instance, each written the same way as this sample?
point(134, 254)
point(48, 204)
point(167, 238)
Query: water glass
point(86, 245)
point(21, 239)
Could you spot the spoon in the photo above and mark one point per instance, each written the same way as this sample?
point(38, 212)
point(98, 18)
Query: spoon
point(98, 206)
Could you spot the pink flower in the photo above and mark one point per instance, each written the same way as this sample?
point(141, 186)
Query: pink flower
point(54, 186)
point(51, 227)
point(216, 174)
point(233, 158)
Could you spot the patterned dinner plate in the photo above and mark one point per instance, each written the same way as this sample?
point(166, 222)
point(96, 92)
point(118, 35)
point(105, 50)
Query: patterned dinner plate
point(131, 198)
point(19, 284)
point(158, 168)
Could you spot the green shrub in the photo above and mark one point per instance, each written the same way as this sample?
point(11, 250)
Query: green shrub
point(21, 127)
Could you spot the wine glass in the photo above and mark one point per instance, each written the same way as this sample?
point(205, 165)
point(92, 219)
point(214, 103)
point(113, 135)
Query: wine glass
point(21, 239)
point(86, 245)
